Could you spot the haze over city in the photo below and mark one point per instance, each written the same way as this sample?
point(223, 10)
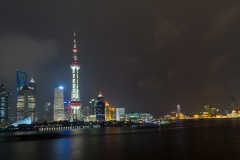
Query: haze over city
point(146, 56)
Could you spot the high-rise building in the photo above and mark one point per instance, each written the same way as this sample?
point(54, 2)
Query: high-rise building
point(32, 86)
point(93, 103)
point(206, 109)
point(107, 111)
point(58, 105)
point(5, 99)
point(209, 111)
point(26, 102)
point(75, 103)
point(47, 116)
point(113, 113)
point(67, 110)
point(213, 111)
point(100, 109)
point(110, 112)
point(32, 98)
point(86, 112)
point(119, 113)
point(178, 111)
point(21, 80)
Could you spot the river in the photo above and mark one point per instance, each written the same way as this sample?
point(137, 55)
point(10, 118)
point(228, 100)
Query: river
point(188, 139)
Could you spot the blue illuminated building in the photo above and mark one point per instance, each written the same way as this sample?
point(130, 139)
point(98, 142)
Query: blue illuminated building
point(21, 80)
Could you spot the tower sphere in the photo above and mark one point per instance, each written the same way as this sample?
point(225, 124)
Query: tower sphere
point(74, 64)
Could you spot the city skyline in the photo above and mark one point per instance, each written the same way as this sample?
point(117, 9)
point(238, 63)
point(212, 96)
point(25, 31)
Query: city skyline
point(144, 56)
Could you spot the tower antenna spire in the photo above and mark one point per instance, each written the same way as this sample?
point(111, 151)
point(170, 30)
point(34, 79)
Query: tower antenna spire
point(75, 103)
point(74, 45)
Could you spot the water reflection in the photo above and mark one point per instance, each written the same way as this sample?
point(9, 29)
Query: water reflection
point(193, 139)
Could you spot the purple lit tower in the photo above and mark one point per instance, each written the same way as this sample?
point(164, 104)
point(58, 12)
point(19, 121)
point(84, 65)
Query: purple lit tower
point(75, 96)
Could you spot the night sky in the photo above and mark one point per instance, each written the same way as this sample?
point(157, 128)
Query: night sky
point(144, 55)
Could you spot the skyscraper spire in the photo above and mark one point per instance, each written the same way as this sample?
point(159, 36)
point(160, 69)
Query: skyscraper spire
point(74, 46)
point(100, 94)
point(32, 80)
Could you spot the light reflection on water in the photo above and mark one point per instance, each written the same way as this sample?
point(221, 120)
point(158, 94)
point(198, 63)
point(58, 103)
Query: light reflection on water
point(215, 139)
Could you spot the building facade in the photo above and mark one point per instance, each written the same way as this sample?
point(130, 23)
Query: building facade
point(92, 106)
point(25, 104)
point(110, 112)
point(67, 110)
point(21, 80)
point(87, 111)
point(5, 102)
point(26, 97)
point(120, 114)
point(48, 116)
point(100, 109)
point(58, 105)
point(32, 99)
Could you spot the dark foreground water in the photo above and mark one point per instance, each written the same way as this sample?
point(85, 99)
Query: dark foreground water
point(191, 139)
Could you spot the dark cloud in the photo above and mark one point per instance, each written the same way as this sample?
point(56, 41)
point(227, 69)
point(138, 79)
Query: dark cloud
point(151, 82)
point(145, 55)
point(167, 31)
point(23, 52)
point(223, 22)
point(218, 62)
point(171, 74)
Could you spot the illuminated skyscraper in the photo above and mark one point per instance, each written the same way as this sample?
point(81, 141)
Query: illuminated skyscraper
point(86, 112)
point(75, 103)
point(67, 110)
point(26, 103)
point(93, 107)
point(119, 113)
point(58, 105)
point(32, 87)
point(107, 112)
point(32, 97)
point(110, 112)
point(21, 80)
point(47, 116)
point(5, 99)
point(100, 109)
point(178, 111)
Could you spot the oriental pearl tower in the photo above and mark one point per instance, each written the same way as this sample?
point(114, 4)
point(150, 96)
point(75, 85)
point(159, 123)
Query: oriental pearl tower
point(75, 103)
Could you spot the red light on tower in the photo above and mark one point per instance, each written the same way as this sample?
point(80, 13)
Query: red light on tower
point(74, 49)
